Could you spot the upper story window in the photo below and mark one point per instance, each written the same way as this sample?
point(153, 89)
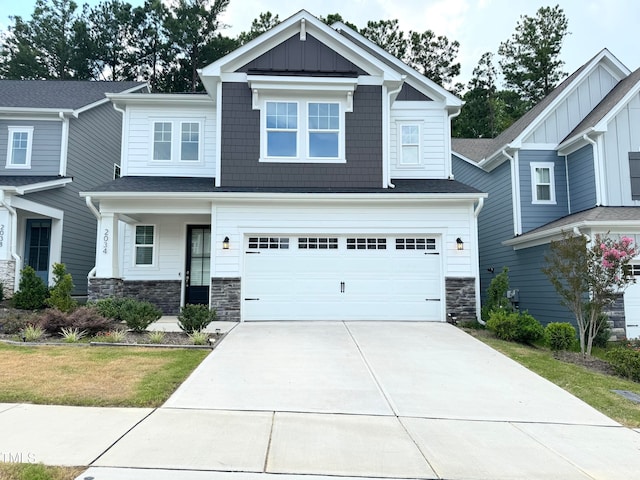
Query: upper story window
point(144, 245)
point(302, 131)
point(175, 140)
point(409, 144)
point(19, 147)
point(542, 182)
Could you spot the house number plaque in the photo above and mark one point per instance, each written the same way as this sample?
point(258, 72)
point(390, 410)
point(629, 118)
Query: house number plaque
point(105, 241)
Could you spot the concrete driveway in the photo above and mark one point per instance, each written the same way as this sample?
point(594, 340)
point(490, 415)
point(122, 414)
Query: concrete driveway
point(368, 400)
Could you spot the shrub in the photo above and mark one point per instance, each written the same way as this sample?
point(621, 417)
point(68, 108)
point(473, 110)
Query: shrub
point(109, 307)
point(72, 335)
point(1, 291)
point(15, 323)
point(85, 318)
point(53, 320)
point(60, 294)
point(504, 324)
point(156, 337)
point(193, 318)
point(112, 336)
point(139, 315)
point(529, 329)
point(198, 337)
point(497, 295)
point(515, 327)
point(32, 291)
point(32, 333)
point(625, 362)
point(560, 335)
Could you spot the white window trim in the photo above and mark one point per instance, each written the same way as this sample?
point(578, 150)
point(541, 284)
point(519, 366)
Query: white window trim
point(29, 132)
point(302, 138)
point(534, 184)
point(153, 246)
point(400, 163)
point(176, 141)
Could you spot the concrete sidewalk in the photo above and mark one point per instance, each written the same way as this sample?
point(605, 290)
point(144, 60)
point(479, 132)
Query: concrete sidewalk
point(322, 400)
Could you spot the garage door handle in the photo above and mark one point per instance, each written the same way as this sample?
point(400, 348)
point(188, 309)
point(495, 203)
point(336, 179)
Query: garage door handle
point(632, 325)
point(432, 253)
point(253, 253)
point(252, 299)
point(431, 299)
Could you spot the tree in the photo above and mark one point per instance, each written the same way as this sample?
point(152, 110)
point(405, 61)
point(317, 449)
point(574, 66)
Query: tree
point(387, 35)
point(433, 56)
point(266, 21)
point(530, 58)
point(336, 17)
point(152, 49)
point(45, 46)
point(588, 277)
point(192, 27)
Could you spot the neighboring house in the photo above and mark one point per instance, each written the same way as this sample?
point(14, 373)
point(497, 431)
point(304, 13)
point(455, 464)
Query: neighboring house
point(56, 138)
point(571, 164)
point(310, 182)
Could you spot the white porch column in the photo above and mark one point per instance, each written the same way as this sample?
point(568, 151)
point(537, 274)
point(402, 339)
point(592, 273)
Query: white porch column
point(107, 247)
point(5, 235)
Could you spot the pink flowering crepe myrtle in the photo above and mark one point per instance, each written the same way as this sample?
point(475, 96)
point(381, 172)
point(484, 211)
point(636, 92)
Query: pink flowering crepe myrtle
point(614, 257)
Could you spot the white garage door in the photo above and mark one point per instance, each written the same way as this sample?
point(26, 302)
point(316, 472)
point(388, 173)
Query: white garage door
point(342, 278)
point(632, 305)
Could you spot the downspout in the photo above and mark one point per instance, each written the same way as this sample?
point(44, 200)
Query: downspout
point(515, 178)
point(122, 139)
point(448, 154)
point(478, 208)
point(14, 239)
point(387, 134)
point(64, 148)
point(96, 213)
point(476, 212)
point(596, 167)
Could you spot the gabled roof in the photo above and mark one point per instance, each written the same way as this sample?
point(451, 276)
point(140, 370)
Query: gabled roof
point(58, 94)
point(485, 151)
point(344, 41)
point(615, 98)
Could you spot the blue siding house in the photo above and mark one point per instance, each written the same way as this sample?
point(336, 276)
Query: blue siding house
point(570, 164)
point(56, 138)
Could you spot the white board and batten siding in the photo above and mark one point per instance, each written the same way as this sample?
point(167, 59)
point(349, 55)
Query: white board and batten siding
point(572, 110)
point(622, 136)
point(431, 119)
point(138, 141)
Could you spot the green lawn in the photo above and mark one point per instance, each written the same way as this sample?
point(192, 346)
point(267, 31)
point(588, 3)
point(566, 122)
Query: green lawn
point(93, 376)
point(591, 387)
point(26, 471)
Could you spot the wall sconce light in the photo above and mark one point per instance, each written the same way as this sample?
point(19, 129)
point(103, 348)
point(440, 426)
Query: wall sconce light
point(225, 243)
point(459, 243)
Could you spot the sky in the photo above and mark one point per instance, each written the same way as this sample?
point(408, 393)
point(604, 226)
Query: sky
point(479, 25)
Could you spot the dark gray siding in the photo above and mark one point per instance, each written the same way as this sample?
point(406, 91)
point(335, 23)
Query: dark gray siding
point(94, 146)
point(534, 216)
point(45, 147)
point(294, 55)
point(410, 94)
point(582, 179)
point(241, 146)
point(495, 225)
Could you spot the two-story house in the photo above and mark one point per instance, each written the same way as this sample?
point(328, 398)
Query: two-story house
point(56, 138)
point(312, 181)
point(570, 164)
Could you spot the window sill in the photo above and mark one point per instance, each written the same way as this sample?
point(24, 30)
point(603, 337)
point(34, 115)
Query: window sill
point(301, 160)
point(544, 202)
point(18, 167)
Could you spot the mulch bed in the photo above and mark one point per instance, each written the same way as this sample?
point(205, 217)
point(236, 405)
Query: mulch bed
point(592, 363)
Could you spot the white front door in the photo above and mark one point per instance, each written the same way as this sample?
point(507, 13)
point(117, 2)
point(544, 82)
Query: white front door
point(342, 278)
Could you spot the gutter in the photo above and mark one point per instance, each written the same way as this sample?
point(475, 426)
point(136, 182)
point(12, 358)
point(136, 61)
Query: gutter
point(96, 213)
point(387, 136)
point(14, 238)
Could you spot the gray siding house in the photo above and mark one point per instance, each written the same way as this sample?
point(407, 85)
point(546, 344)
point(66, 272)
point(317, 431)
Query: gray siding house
point(56, 139)
point(568, 165)
point(312, 181)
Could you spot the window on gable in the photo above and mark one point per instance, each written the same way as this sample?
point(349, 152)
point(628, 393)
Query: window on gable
point(19, 147)
point(144, 244)
point(543, 187)
point(162, 141)
point(190, 142)
point(409, 145)
point(324, 129)
point(282, 129)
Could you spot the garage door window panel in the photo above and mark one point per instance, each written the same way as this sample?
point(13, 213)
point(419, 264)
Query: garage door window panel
point(366, 243)
point(268, 243)
point(317, 243)
point(416, 244)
